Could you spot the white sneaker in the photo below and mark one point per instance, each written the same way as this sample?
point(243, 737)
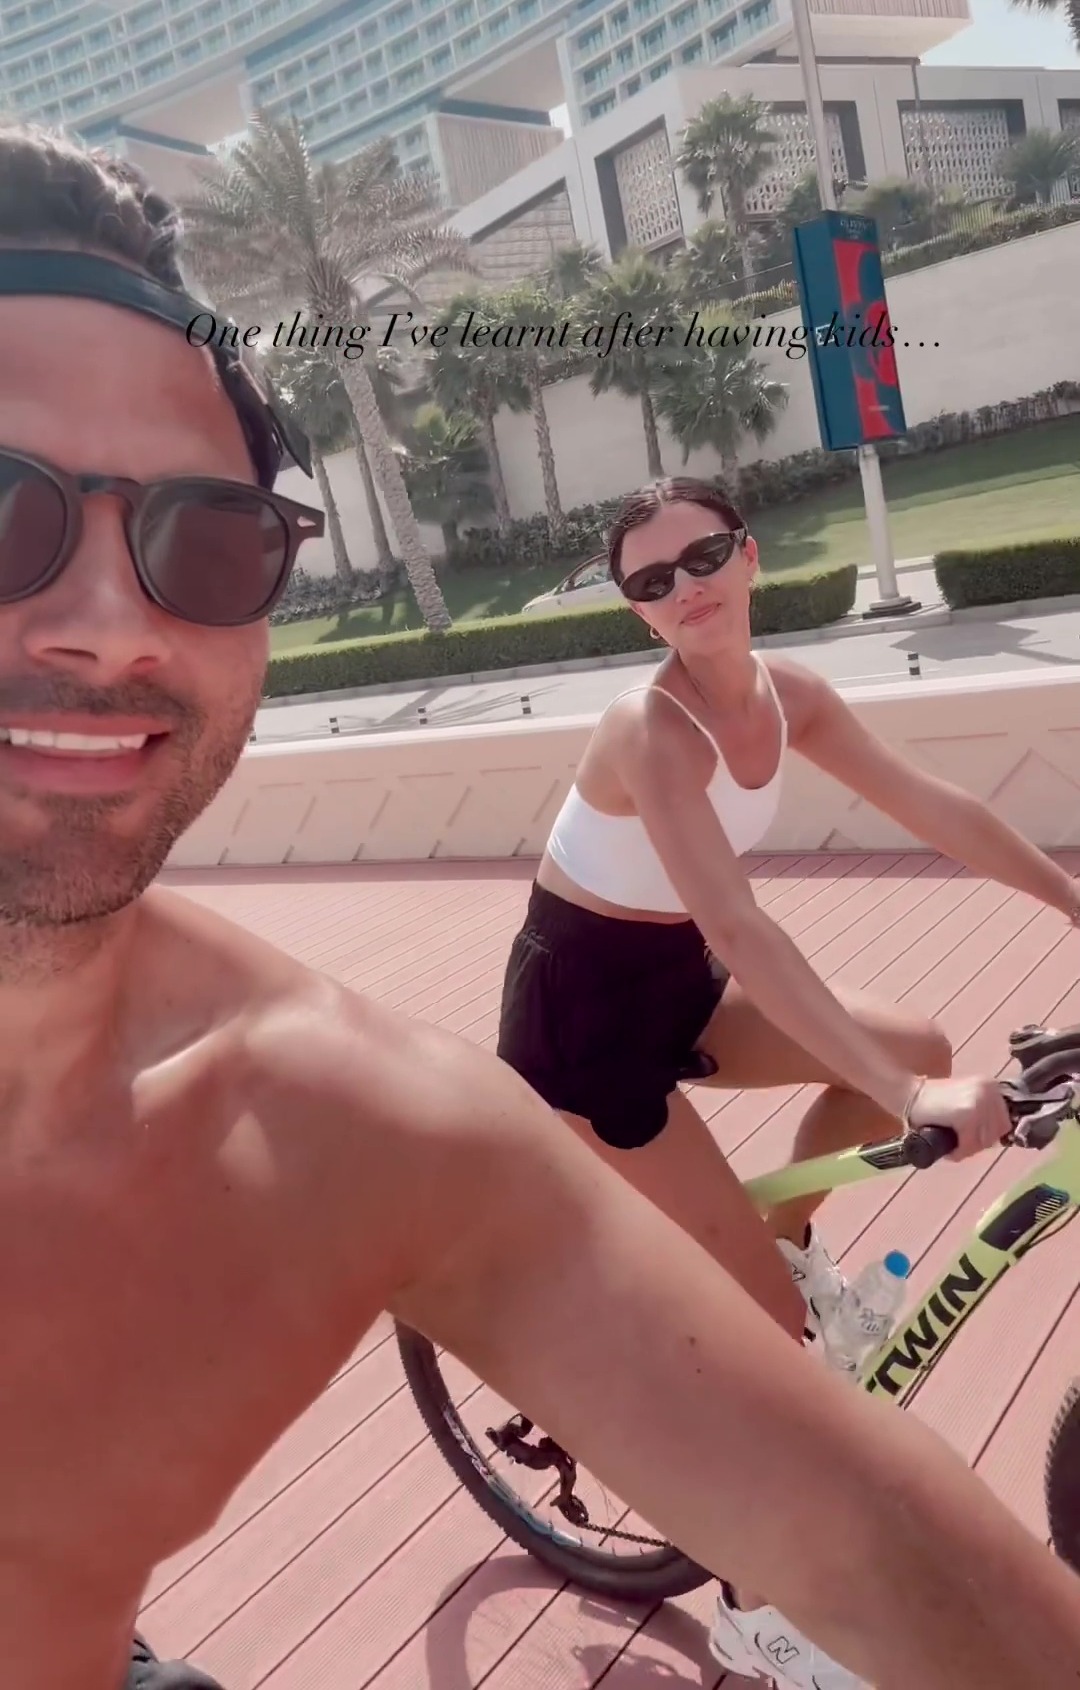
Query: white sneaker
point(763, 1645)
point(817, 1277)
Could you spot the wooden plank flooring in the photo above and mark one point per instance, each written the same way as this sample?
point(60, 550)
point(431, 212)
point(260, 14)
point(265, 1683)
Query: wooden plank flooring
point(349, 1559)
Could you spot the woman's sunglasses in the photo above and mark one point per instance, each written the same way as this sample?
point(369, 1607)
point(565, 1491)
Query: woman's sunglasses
point(701, 557)
point(217, 553)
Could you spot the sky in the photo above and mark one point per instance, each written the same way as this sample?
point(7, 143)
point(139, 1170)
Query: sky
point(999, 34)
point(1003, 34)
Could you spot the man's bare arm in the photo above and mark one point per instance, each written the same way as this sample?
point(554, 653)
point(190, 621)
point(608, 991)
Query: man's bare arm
point(582, 1305)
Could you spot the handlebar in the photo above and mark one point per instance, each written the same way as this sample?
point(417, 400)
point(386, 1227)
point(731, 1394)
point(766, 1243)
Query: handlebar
point(1036, 1117)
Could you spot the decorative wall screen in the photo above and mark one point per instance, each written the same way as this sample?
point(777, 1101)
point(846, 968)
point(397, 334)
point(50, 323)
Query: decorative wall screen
point(793, 158)
point(957, 148)
point(646, 181)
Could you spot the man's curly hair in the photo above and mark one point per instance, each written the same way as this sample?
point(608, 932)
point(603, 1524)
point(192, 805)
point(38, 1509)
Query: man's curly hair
point(55, 191)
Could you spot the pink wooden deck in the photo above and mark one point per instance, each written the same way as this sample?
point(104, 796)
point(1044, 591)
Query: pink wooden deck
point(348, 1560)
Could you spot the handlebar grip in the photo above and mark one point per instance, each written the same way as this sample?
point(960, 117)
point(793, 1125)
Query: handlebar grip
point(927, 1145)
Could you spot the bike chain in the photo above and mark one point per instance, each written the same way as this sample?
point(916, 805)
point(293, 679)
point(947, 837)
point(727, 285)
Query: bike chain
point(627, 1537)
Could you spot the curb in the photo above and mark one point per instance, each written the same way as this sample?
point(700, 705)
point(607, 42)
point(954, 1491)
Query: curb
point(853, 625)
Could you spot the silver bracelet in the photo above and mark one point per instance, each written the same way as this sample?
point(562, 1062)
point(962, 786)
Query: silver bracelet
point(913, 1098)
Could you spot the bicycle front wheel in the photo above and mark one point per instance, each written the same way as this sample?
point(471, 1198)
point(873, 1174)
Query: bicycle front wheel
point(1062, 1480)
point(652, 1571)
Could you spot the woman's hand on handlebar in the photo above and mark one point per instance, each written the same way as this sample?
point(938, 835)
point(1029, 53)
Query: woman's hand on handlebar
point(975, 1109)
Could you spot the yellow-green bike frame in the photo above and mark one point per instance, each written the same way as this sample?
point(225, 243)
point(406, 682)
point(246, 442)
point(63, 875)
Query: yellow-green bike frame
point(1045, 1120)
point(1044, 1201)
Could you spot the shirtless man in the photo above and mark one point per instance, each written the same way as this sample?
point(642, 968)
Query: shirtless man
point(216, 1167)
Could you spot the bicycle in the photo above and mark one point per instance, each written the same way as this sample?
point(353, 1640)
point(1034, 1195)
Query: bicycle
point(1043, 1112)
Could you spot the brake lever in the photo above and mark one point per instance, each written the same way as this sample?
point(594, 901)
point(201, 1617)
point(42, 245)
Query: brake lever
point(1036, 1115)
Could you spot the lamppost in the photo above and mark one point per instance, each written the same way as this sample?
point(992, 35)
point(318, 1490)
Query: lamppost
point(890, 601)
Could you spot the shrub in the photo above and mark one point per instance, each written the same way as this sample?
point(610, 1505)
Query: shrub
point(955, 243)
point(308, 596)
point(786, 603)
point(527, 540)
point(1037, 569)
point(781, 604)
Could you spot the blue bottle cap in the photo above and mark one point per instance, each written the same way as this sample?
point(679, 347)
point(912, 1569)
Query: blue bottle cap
point(897, 1264)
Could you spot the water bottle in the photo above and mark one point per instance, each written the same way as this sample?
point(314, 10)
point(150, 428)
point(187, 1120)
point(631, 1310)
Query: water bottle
point(865, 1314)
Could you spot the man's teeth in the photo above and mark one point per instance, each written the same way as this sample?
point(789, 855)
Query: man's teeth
point(73, 742)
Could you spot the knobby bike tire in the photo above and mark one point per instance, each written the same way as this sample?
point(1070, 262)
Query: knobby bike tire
point(655, 1576)
point(1062, 1480)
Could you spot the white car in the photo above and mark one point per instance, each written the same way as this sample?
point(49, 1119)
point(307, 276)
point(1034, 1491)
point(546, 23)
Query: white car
point(585, 588)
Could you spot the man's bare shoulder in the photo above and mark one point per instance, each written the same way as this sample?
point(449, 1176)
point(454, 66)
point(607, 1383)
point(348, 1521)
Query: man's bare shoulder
point(419, 1148)
point(182, 933)
point(397, 1077)
point(393, 1125)
point(299, 1035)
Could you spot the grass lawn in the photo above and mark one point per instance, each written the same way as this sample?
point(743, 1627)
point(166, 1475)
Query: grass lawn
point(1011, 487)
point(470, 594)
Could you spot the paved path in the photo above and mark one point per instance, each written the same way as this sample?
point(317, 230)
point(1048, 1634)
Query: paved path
point(959, 648)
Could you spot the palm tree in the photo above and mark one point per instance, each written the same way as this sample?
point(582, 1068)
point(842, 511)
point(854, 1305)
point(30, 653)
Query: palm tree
point(803, 203)
point(708, 269)
point(529, 305)
point(479, 380)
point(446, 470)
point(1036, 163)
point(636, 286)
point(309, 385)
point(572, 269)
point(1068, 9)
point(272, 229)
point(317, 377)
point(718, 395)
point(387, 382)
point(902, 208)
point(725, 150)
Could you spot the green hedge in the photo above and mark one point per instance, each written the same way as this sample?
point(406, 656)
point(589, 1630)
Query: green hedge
point(781, 604)
point(1037, 569)
point(956, 243)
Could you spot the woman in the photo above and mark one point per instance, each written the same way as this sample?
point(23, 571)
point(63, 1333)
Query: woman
point(614, 989)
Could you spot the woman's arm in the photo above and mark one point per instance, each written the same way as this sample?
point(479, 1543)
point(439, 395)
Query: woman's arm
point(664, 765)
point(826, 731)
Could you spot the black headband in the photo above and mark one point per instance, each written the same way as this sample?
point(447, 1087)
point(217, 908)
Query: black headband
point(270, 435)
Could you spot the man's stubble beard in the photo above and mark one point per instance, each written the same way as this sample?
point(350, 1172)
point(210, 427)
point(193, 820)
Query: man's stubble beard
point(58, 893)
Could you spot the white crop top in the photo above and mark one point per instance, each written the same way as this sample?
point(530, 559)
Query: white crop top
point(613, 856)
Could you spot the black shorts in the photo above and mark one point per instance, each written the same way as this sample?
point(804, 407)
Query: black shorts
point(602, 1015)
point(148, 1673)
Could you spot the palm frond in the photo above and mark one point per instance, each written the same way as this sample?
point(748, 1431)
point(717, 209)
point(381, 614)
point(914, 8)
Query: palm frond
point(1069, 9)
point(368, 169)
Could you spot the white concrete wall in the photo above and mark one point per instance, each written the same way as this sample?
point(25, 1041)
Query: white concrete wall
point(1004, 320)
point(316, 556)
point(492, 791)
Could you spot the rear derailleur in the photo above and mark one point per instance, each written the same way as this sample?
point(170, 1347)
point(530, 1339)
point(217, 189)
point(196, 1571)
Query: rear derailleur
point(512, 1441)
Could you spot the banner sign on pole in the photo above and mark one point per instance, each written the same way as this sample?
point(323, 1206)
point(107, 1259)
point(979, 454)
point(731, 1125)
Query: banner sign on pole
point(850, 339)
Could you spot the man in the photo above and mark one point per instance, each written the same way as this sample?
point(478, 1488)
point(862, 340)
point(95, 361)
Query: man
point(216, 1168)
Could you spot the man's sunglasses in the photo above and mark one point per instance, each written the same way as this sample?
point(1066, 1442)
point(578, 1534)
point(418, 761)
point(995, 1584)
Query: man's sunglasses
point(217, 553)
point(701, 557)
